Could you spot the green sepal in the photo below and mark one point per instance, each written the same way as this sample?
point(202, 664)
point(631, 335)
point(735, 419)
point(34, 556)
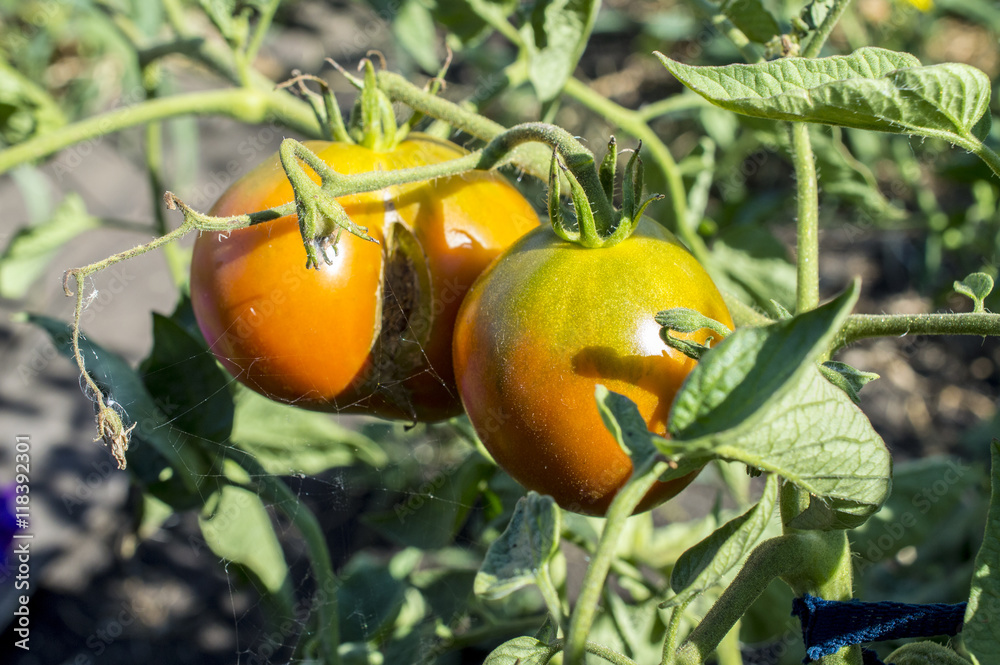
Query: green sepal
point(608, 168)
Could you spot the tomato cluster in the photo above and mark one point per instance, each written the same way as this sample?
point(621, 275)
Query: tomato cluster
point(371, 331)
point(379, 330)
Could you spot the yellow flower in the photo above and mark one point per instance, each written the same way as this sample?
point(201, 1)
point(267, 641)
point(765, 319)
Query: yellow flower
point(922, 5)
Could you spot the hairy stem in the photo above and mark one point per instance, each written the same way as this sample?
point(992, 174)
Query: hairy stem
point(815, 45)
point(771, 559)
point(807, 263)
point(710, 11)
point(245, 105)
point(621, 508)
point(862, 326)
point(533, 159)
point(988, 155)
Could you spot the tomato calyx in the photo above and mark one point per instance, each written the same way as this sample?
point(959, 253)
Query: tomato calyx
point(598, 223)
point(373, 121)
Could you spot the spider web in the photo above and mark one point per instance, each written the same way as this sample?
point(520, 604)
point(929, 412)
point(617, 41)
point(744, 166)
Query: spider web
point(410, 479)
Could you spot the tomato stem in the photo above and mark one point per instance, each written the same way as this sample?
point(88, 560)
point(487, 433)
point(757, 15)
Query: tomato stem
point(863, 326)
point(770, 559)
point(245, 105)
point(807, 242)
point(815, 45)
point(621, 508)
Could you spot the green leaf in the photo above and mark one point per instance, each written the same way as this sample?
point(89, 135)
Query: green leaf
point(520, 651)
point(872, 89)
point(816, 12)
point(819, 440)
point(622, 418)
point(167, 461)
point(187, 383)
point(26, 109)
point(414, 30)
point(370, 597)
point(447, 591)
point(753, 19)
point(926, 493)
point(31, 249)
point(237, 527)
point(287, 440)
point(758, 399)
point(751, 367)
point(976, 286)
point(230, 17)
point(556, 37)
point(925, 653)
point(469, 21)
point(705, 564)
point(847, 378)
point(749, 259)
point(529, 543)
point(430, 516)
point(981, 634)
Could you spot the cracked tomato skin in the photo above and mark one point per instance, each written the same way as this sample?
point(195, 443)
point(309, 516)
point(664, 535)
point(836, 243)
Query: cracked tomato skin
point(550, 320)
point(371, 332)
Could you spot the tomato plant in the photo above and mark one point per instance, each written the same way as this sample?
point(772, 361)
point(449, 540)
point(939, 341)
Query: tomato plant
point(548, 322)
point(566, 352)
point(370, 331)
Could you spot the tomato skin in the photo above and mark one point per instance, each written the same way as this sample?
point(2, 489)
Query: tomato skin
point(545, 324)
point(371, 332)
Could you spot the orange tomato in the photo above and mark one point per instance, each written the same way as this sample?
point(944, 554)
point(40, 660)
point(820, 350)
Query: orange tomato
point(371, 332)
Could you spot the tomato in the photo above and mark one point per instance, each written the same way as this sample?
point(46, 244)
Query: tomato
point(371, 332)
point(550, 320)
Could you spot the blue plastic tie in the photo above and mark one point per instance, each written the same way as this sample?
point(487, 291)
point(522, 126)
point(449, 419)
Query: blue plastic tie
point(828, 625)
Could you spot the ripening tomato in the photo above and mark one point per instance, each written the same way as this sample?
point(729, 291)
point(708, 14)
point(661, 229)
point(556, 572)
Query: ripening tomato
point(546, 323)
point(371, 332)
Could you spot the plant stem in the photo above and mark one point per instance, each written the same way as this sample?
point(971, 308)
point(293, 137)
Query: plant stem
point(673, 628)
point(989, 156)
point(604, 652)
point(862, 326)
point(245, 105)
point(260, 29)
point(533, 159)
point(551, 597)
point(807, 264)
point(684, 101)
point(710, 11)
point(401, 90)
point(815, 45)
point(772, 558)
point(621, 508)
point(272, 489)
point(154, 171)
point(827, 573)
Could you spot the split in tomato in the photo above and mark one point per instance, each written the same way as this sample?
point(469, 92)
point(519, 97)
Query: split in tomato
point(371, 332)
